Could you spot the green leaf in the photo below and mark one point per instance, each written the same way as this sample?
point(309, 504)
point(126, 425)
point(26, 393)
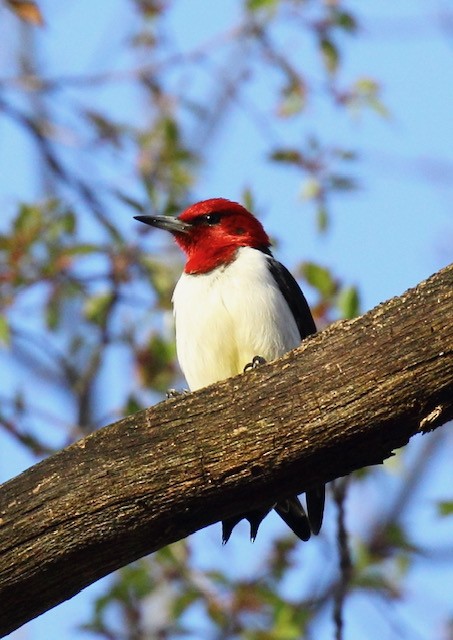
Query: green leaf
point(260, 5)
point(248, 199)
point(348, 302)
point(155, 362)
point(294, 100)
point(83, 249)
point(5, 333)
point(322, 219)
point(96, 307)
point(290, 156)
point(5, 242)
point(132, 406)
point(28, 220)
point(286, 624)
point(330, 54)
point(311, 189)
point(366, 92)
point(60, 225)
point(171, 131)
point(53, 310)
point(69, 222)
point(367, 86)
point(136, 579)
point(185, 600)
point(375, 582)
point(320, 278)
point(346, 21)
point(445, 508)
point(397, 538)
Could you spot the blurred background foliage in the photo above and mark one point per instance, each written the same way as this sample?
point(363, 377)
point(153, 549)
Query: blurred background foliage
point(85, 294)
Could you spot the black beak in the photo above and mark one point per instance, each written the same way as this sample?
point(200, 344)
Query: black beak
point(163, 222)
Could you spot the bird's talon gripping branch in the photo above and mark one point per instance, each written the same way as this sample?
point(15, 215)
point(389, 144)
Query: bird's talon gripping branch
point(255, 363)
point(234, 298)
point(174, 393)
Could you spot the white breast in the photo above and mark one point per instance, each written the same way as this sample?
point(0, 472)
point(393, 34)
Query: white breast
point(226, 317)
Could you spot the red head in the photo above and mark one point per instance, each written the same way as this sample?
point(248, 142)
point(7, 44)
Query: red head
point(210, 232)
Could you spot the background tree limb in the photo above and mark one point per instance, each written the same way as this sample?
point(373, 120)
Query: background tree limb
point(345, 399)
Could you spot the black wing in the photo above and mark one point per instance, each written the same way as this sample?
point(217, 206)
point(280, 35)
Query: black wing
point(294, 297)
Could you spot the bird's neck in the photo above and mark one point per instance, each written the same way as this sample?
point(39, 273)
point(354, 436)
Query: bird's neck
point(212, 257)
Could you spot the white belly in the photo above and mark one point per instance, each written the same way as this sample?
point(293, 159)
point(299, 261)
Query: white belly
point(226, 317)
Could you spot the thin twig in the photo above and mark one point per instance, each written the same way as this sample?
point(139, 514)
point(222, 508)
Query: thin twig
point(345, 561)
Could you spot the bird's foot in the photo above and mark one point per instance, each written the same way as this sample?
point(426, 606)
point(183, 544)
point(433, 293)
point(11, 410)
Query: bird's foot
point(174, 393)
point(255, 363)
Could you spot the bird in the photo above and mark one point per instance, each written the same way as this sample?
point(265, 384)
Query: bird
point(236, 306)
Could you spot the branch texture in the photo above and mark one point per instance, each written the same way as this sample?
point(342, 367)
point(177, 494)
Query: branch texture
point(343, 400)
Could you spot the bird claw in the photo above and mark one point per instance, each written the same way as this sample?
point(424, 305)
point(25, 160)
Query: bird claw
point(174, 393)
point(255, 363)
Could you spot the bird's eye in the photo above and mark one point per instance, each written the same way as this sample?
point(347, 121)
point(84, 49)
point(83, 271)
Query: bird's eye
point(212, 218)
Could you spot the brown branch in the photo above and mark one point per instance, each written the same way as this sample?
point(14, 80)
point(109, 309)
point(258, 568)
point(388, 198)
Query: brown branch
point(345, 399)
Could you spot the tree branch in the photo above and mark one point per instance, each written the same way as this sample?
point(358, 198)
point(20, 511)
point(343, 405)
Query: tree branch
point(345, 399)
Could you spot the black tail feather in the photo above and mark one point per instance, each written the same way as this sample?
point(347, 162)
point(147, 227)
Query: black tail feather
point(315, 506)
point(255, 517)
point(292, 512)
point(228, 526)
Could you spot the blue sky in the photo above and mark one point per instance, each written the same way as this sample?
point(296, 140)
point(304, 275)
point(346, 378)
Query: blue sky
point(392, 233)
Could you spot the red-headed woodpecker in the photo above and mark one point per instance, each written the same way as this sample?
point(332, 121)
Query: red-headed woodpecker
point(234, 302)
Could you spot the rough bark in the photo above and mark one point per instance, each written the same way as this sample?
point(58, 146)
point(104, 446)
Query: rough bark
point(345, 399)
